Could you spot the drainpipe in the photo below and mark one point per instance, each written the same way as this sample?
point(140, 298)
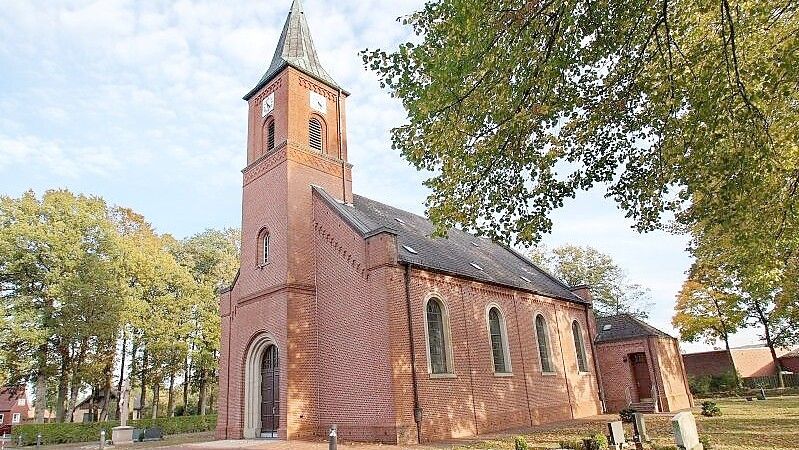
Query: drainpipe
point(417, 410)
point(592, 337)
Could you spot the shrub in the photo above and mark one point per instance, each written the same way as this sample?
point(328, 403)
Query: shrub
point(710, 409)
point(706, 442)
point(573, 445)
point(627, 415)
point(520, 443)
point(599, 441)
point(699, 385)
point(67, 433)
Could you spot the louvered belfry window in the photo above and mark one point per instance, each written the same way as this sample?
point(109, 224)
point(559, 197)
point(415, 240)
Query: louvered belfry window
point(315, 133)
point(270, 135)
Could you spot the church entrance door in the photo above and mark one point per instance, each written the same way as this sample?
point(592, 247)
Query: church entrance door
point(641, 373)
point(270, 393)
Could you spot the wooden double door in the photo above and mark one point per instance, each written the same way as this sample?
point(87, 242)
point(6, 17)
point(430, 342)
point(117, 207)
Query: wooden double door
point(270, 392)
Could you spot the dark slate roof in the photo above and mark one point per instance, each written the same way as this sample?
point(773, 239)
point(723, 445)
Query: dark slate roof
point(624, 326)
point(296, 49)
point(453, 254)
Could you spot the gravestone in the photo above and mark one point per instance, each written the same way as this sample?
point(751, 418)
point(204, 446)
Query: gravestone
point(616, 432)
point(153, 434)
point(685, 434)
point(639, 425)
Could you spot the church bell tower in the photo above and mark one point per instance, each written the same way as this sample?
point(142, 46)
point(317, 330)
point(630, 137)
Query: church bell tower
point(296, 139)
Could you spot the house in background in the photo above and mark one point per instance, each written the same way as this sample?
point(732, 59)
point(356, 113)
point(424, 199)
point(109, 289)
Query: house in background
point(750, 361)
point(790, 361)
point(13, 407)
point(639, 366)
point(89, 409)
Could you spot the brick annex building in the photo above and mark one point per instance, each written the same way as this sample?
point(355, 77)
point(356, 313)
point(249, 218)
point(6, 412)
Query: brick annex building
point(346, 312)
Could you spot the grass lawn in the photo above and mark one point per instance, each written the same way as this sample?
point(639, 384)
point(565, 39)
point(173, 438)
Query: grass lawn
point(770, 424)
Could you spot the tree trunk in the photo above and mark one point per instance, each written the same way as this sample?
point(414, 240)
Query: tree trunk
point(41, 396)
point(186, 372)
point(156, 389)
point(143, 396)
point(761, 314)
point(170, 406)
point(107, 373)
point(63, 385)
point(203, 394)
point(726, 337)
point(121, 373)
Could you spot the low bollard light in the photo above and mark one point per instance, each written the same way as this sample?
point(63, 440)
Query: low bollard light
point(333, 438)
point(3, 442)
point(102, 439)
point(39, 440)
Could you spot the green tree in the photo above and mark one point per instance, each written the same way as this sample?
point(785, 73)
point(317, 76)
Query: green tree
point(612, 291)
point(60, 289)
point(212, 257)
point(677, 109)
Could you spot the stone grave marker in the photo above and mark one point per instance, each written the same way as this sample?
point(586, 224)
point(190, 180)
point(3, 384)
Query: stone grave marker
point(639, 425)
point(616, 431)
point(685, 434)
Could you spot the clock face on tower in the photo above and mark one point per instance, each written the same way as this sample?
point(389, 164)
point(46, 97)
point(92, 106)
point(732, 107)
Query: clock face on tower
point(268, 105)
point(318, 102)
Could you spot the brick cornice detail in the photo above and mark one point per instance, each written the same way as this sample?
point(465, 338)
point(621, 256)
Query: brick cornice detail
point(298, 154)
point(289, 287)
point(266, 91)
point(350, 258)
point(318, 88)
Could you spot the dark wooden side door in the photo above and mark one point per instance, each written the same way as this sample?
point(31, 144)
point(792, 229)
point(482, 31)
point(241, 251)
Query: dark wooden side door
point(641, 375)
point(270, 391)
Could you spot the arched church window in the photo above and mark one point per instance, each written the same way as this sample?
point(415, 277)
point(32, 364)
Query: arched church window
point(579, 344)
point(269, 135)
point(438, 345)
point(263, 247)
point(499, 341)
point(316, 135)
point(544, 352)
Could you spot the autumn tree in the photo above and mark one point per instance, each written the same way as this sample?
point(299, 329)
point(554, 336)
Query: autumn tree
point(613, 292)
point(683, 110)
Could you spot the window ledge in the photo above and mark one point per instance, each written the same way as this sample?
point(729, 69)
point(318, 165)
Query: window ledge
point(549, 374)
point(443, 375)
point(503, 374)
point(262, 266)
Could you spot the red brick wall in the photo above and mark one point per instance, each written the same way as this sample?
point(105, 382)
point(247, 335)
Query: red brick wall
point(354, 360)
point(476, 400)
point(707, 363)
point(754, 362)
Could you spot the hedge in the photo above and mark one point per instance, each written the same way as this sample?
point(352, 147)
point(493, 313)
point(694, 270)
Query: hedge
point(67, 433)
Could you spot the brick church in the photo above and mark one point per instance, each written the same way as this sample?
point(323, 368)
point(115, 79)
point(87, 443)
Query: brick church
point(345, 311)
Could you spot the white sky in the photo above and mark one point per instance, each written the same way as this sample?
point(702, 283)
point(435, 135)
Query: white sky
point(140, 103)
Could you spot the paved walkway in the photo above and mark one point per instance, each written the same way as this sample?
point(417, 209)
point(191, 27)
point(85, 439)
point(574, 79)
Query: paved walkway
point(286, 445)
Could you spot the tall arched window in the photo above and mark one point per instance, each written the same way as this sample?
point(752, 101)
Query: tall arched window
point(499, 341)
point(438, 346)
point(263, 247)
point(579, 344)
point(544, 352)
point(269, 135)
point(316, 135)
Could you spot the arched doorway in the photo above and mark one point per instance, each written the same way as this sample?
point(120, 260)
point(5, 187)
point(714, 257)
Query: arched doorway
point(270, 393)
point(262, 388)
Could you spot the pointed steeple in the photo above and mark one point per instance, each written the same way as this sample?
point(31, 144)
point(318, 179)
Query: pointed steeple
point(296, 49)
